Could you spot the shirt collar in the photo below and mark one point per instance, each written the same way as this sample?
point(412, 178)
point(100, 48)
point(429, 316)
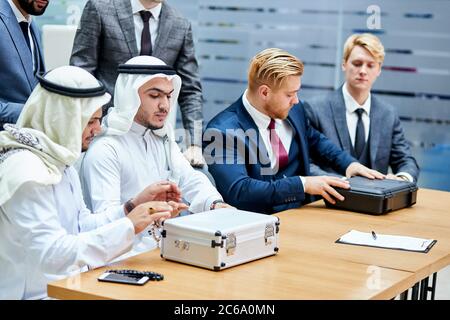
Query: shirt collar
point(18, 14)
point(143, 131)
point(262, 120)
point(351, 104)
point(138, 129)
point(137, 6)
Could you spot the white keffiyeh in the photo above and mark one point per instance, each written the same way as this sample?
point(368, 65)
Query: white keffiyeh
point(127, 100)
point(48, 133)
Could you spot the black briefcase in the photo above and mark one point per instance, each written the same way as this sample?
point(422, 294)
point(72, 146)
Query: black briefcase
point(376, 196)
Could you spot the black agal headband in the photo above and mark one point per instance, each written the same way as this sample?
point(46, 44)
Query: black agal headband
point(146, 69)
point(71, 92)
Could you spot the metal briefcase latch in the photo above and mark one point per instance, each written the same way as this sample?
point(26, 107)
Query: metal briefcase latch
point(269, 233)
point(231, 244)
point(182, 245)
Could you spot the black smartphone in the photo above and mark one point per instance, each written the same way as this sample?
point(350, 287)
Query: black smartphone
point(122, 278)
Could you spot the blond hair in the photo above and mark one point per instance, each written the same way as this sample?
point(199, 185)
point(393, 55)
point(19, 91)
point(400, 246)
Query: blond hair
point(368, 41)
point(271, 67)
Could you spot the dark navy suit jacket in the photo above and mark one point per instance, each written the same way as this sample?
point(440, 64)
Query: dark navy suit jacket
point(238, 168)
point(17, 78)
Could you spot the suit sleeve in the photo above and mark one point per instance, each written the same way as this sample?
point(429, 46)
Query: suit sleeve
point(326, 153)
point(86, 45)
point(227, 163)
point(190, 98)
point(9, 112)
point(311, 116)
point(401, 159)
point(315, 169)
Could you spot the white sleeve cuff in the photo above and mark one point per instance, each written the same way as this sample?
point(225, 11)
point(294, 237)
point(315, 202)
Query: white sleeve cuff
point(210, 201)
point(406, 175)
point(303, 180)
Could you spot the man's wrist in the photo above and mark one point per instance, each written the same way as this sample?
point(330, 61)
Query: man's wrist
point(129, 206)
point(213, 204)
point(405, 176)
point(303, 181)
point(350, 168)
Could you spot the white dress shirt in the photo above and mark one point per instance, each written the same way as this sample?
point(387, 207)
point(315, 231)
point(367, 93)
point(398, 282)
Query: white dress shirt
point(352, 117)
point(46, 233)
point(282, 128)
point(352, 120)
point(21, 18)
point(117, 168)
point(137, 6)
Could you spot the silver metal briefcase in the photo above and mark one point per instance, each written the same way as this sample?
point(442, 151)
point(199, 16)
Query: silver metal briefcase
point(220, 239)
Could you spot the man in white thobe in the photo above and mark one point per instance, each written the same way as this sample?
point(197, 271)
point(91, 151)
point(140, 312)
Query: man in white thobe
point(138, 147)
point(46, 232)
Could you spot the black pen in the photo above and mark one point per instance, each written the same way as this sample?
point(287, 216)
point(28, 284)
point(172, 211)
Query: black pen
point(374, 235)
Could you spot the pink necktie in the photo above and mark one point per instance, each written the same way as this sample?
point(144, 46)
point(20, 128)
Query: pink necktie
point(277, 146)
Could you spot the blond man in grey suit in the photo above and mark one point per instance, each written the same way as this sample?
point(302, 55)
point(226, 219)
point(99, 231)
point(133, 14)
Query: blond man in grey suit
point(113, 31)
point(360, 122)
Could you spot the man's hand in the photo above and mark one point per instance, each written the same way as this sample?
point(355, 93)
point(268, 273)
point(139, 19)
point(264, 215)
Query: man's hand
point(147, 213)
point(221, 205)
point(159, 191)
point(177, 207)
point(323, 186)
point(194, 155)
point(357, 169)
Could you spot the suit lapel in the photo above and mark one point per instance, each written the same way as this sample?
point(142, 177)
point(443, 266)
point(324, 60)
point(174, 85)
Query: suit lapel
point(165, 25)
point(296, 127)
point(40, 67)
point(300, 136)
point(19, 42)
point(374, 132)
point(337, 106)
point(125, 14)
point(246, 122)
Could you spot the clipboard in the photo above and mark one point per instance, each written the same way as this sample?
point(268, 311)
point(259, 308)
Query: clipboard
point(391, 242)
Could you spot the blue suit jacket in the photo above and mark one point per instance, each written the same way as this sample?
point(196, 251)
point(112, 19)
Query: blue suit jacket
point(17, 78)
point(237, 168)
point(388, 146)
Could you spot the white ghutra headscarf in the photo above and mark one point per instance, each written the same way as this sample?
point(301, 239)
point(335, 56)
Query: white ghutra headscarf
point(48, 133)
point(132, 75)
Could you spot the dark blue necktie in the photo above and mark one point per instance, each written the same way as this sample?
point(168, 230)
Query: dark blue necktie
point(360, 137)
point(24, 26)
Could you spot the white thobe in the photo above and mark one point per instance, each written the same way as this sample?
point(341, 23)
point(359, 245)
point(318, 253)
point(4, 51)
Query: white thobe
point(47, 233)
point(117, 168)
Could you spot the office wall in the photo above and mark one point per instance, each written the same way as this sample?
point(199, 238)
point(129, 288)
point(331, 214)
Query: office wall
point(415, 77)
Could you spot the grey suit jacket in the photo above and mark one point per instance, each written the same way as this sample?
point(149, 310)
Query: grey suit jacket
point(17, 78)
point(105, 38)
point(388, 146)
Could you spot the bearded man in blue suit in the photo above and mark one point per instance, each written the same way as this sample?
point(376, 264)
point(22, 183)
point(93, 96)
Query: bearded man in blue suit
point(258, 149)
point(20, 55)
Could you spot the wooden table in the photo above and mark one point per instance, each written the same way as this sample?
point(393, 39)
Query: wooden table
point(321, 227)
point(309, 265)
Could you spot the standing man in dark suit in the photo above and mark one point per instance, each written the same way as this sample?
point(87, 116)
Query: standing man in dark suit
point(20, 55)
point(261, 145)
point(359, 122)
point(112, 32)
